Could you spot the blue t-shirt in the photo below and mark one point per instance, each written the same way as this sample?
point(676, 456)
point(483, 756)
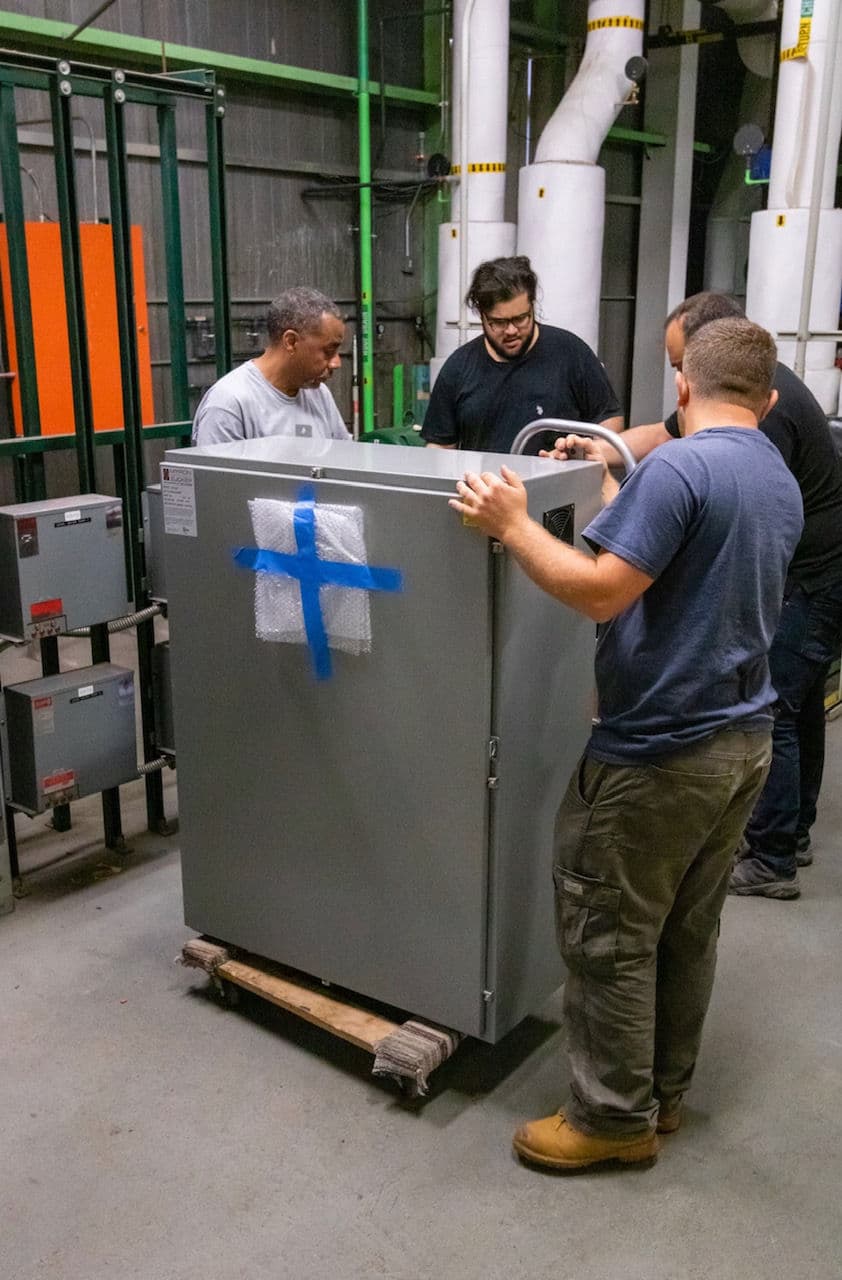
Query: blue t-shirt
point(714, 519)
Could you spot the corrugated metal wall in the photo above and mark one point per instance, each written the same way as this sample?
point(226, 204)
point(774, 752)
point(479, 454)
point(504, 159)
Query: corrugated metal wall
point(276, 145)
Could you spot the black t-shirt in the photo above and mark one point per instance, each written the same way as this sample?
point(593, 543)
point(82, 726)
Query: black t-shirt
point(799, 428)
point(481, 403)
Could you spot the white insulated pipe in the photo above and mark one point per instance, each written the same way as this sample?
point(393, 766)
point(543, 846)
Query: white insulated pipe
point(795, 260)
point(577, 129)
point(561, 206)
point(476, 231)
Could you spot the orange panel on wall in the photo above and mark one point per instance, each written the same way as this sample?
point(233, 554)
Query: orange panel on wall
point(49, 323)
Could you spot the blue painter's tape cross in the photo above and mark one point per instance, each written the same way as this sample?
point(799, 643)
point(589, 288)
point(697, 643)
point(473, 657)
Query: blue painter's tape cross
point(314, 573)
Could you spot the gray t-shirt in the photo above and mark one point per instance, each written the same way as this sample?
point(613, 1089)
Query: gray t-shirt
point(244, 405)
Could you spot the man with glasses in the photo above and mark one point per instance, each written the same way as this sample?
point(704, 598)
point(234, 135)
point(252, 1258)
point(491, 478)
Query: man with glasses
point(282, 392)
point(515, 372)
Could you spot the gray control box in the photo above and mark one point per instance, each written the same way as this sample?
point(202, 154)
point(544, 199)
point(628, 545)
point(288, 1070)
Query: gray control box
point(70, 735)
point(153, 541)
point(62, 565)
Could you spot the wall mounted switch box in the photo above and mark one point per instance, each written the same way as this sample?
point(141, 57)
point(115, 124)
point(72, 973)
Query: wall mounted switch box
point(70, 735)
point(62, 565)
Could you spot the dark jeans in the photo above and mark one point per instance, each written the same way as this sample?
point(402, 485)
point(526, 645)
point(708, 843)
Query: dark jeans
point(642, 859)
point(808, 637)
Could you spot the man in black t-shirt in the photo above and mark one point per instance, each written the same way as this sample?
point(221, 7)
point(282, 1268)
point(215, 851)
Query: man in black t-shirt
point(515, 372)
point(809, 636)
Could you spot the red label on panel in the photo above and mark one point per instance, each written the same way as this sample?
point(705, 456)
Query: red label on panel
point(46, 609)
point(58, 781)
point(40, 703)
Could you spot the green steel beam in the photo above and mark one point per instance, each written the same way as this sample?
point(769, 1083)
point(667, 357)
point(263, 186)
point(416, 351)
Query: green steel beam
point(25, 446)
point(134, 480)
point(214, 115)
point(44, 34)
point(366, 265)
point(30, 475)
point(74, 287)
point(174, 262)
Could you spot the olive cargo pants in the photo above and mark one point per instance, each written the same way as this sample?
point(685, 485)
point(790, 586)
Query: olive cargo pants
point(642, 859)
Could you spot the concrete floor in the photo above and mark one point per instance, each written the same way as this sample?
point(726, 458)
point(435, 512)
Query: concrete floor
point(149, 1134)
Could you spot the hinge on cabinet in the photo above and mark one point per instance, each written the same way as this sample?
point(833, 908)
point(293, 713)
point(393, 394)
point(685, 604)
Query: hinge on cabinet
point(493, 753)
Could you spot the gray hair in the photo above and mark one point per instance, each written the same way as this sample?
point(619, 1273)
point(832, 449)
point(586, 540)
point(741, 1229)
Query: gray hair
point(300, 309)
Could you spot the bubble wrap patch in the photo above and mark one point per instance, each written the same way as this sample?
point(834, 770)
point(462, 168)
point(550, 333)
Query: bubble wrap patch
point(277, 599)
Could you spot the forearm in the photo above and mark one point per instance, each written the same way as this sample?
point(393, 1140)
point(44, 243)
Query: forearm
point(562, 571)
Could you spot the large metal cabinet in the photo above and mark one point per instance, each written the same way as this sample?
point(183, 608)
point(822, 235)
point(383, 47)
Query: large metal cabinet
point(388, 830)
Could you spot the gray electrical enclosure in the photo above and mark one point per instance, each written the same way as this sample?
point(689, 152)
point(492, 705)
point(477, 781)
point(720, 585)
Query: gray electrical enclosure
point(388, 829)
point(62, 565)
point(70, 735)
point(153, 542)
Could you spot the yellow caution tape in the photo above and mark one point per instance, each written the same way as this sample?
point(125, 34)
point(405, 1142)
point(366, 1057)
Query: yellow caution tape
point(600, 24)
point(800, 49)
point(480, 168)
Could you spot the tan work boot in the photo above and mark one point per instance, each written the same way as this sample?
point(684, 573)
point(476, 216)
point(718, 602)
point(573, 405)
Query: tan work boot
point(669, 1117)
point(554, 1143)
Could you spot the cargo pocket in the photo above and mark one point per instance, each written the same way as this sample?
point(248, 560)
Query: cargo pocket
point(587, 922)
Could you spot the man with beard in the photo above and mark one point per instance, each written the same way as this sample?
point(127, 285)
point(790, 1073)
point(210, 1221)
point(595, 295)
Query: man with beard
point(517, 371)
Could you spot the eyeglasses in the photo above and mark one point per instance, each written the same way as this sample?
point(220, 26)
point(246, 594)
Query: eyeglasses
point(499, 324)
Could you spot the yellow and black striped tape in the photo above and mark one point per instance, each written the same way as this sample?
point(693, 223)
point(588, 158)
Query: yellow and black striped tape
point(799, 50)
point(494, 167)
point(632, 24)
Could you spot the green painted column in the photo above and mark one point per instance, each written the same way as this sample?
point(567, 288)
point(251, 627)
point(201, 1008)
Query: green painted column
point(366, 271)
point(397, 395)
point(30, 481)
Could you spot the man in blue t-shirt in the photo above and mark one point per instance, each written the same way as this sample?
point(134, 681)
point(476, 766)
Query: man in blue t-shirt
point(687, 583)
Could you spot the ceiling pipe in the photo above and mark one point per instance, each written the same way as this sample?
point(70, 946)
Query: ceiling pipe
point(477, 230)
point(795, 256)
point(561, 205)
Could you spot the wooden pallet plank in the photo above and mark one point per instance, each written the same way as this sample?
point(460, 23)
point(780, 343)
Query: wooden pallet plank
point(351, 1023)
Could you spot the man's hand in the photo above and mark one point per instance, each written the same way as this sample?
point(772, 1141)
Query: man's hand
point(584, 448)
point(496, 504)
point(587, 449)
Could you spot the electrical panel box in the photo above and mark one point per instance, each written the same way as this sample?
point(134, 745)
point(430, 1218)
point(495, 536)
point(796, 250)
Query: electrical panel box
point(62, 565)
point(153, 541)
point(162, 699)
point(388, 829)
point(70, 735)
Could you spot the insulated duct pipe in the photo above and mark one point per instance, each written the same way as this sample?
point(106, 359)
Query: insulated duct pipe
point(727, 233)
point(795, 257)
point(561, 208)
point(754, 50)
point(476, 231)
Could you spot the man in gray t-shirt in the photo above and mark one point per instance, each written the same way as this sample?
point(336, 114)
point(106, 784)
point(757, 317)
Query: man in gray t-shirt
point(282, 392)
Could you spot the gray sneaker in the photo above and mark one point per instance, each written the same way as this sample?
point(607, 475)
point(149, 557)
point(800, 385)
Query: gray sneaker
point(750, 876)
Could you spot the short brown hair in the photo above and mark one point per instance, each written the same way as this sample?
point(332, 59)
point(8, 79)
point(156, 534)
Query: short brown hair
point(731, 360)
point(700, 309)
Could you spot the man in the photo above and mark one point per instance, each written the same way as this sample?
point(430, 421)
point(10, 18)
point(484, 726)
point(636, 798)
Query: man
point(687, 586)
point(515, 372)
point(282, 392)
point(809, 637)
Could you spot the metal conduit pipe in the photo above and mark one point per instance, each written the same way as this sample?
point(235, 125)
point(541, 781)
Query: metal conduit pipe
point(569, 427)
point(122, 624)
point(155, 766)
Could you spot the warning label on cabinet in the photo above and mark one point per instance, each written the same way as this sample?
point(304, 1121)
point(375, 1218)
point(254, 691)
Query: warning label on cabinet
point(178, 492)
